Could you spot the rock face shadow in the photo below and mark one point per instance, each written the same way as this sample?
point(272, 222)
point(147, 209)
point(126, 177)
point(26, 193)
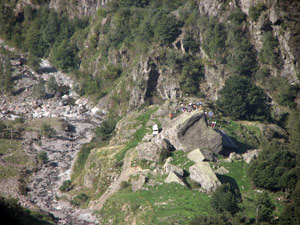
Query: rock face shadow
point(47, 69)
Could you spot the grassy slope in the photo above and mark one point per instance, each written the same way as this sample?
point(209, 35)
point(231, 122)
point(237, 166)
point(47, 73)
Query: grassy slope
point(14, 158)
point(160, 203)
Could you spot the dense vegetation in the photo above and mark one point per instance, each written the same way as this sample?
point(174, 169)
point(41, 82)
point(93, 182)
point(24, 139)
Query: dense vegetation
point(241, 99)
point(6, 82)
point(42, 32)
point(12, 213)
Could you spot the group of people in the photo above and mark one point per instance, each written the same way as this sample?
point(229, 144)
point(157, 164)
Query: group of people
point(191, 107)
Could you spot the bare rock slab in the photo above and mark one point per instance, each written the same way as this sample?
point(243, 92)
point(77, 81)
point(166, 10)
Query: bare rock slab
point(168, 167)
point(137, 185)
point(203, 174)
point(196, 156)
point(190, 131)
point(222, 170)
point(250, 155)
point(148, 151)
point(174, 178)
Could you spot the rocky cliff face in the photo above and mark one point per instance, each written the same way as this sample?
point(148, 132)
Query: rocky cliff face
point(149, 78)
point(272, 18)
point(78, 8)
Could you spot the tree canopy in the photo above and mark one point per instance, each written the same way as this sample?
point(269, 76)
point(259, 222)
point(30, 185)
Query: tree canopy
point(241, 99)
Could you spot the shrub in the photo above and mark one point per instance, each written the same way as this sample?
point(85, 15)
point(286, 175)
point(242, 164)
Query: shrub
point(42, 157)
point(237, 16)
point(268, 53)
point(112, 72)
point(66, 186)
point(241, 57)
point(265, 208)
point(273, 169)
point(107, 127)
point(256, 10)
point(190, 44)
point(79, 199)
point(283, 92)
point(294, 131)
point(214, 38)
point(262, 73)
point(52, 86)
point(39, 90)
point(226, 198)
point(190, 76)
point(82, 157)
point(46, 130)
point(6, 82)
point(34, 62)
point(124, 184)
point(241, 99)
point(166, 28)
point(286, 94)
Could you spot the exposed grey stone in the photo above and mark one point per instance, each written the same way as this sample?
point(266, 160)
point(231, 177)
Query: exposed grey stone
point(168, 167)
point(137, 185)
point(202, 173)
point(222, 170)
point(148, 151)
point(250, 155)
point(147, 138)
point(271, 131)
point(228, 160)
point(190, 131)
point(234, 156)
point(196, 156)
point(173, 177)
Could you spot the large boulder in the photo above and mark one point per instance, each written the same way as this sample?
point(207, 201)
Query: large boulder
point(138, 184)
point(168, 167)
point(226, 140)
point(174, 178)
point(190, 131)
point(148, 151)
point(196, 156)
point(203, 174)
point(151, 150)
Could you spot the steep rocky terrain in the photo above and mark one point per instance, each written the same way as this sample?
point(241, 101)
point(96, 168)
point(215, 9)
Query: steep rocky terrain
point(44, 180)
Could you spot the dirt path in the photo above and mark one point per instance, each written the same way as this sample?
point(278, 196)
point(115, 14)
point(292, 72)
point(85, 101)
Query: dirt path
point(127, 170)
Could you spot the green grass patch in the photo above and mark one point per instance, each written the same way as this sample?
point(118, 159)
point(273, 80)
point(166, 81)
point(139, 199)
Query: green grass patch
point(138, 135)
point(8, 171)
point(82, 157)
point(7, 145)
point(160, 204)
point(36, 124)
point(245, 135)
point(179, 158)
point(14, 158)
point(238, 174)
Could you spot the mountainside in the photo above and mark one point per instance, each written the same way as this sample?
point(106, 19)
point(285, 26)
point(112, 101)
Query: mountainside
point(151, 111)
